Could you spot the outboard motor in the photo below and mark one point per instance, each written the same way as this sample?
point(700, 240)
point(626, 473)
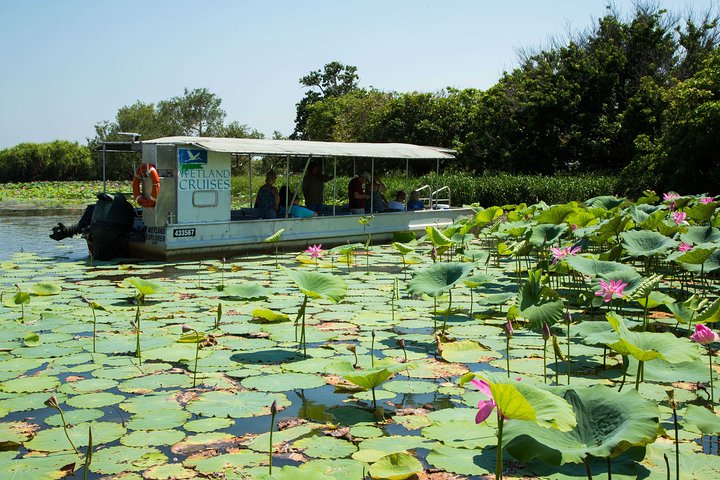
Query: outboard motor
point(106, 225)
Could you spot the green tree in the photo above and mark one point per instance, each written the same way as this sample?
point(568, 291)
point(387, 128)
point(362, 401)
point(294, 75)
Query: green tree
point(58, 160)
point(196, 113)
point(334, 80)
point(237, 130)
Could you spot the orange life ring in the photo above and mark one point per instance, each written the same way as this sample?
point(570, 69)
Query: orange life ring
point(146, 170)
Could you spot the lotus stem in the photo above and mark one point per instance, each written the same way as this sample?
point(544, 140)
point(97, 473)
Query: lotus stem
point(88, 455)
point(609, 468)
point(53, 403)
point(638, 374)
point(545, 361)
point(447, 314)
point(499, 456)
point(507, 355)
point(94, 325)
point(372, 352)
point(219, 315)
point(273, 412)
point(137, 334)
point(667, 465)
point(712, 394)
point(569, 320)
point(586, 461)
point(276, 251)
point(187, 329)
point(374, 401)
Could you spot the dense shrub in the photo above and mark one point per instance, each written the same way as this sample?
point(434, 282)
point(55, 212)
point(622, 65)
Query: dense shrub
point(58, 160)
point(486, 190)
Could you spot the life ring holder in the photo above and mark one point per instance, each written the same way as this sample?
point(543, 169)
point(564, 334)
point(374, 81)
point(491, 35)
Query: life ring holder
point(143, 171)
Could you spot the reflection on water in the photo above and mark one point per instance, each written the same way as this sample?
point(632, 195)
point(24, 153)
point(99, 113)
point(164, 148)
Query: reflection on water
point(28, 231)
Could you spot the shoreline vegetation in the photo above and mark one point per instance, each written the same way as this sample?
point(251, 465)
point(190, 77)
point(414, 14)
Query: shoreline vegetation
point(485, 190)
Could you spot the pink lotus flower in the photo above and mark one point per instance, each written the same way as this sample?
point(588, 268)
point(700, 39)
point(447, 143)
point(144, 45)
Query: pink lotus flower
point(679, 217)
point(315, 251)
point(706, 200)
point(684, 247)
point(560, 253)
point(703, 335)
point(670, 196)
point(485, 407)
point(609, 290)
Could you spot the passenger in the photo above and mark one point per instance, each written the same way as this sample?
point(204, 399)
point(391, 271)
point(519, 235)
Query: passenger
point(313, 187)
point(296, 211)
point(378, 198)
point(357, 194)
point(268, 198)
point(398, 205)
point(415, 203)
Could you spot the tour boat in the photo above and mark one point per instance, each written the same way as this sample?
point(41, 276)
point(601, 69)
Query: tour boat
point(183, 187)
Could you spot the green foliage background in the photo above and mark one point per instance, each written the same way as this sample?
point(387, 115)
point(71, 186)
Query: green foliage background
point(637, 97)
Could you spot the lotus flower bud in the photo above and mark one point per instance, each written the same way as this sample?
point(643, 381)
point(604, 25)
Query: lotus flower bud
point(351, 348)
point(372, 333)
point(186, 328)
point(509, 332)
point(273, 407)
point(568, 318)
point(401, 343)
point(546, 333)
point(52, 403)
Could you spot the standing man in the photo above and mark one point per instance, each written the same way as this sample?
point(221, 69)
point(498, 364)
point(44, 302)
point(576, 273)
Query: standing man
point(356, 193)
point(313, 187)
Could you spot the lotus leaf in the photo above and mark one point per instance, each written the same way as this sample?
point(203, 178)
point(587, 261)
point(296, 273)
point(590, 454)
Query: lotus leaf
point(45, 288)
point(238, 460)
point(74, 417)
point(646, 346)
point(172, 471)
point(703, 419)
point(396, 466)
point(281, 382)
point(145, 287)
point(265, 315)
point(438, 278)
point(158, 419)
point(54, 439)
point(537, 303)
point(114, 460)
point(645, 243)
point(699, 235)
point(208, 424)
point(318, 285)
point(546, 234)
point(235, 405)
point(326, 447)
point(48, 467)
point(461, 433)
point(30, 384)
point(593, 267)
point(467, 351)
point(144, 438)
point(608, 423)
point(95, 400)
point(462, 461)
point(245, 291)
point(606, 202)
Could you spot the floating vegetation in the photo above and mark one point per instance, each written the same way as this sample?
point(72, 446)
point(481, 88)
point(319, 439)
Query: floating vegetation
point(394, 368)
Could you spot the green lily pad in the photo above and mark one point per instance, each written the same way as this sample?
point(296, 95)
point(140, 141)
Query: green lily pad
point(235, 405)
point(282, 382)
point(396, 466)
point(54, 439)
point(326, 447)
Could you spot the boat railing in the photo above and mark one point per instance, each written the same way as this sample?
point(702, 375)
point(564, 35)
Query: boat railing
point(432, 199)
point(441, 200)
point(427, 199)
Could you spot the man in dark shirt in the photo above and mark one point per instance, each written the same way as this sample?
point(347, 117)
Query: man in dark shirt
point(356, 193)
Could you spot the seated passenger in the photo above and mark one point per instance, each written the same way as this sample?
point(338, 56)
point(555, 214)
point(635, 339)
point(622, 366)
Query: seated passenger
point(398, 205)
point(313, 187)
point(296, 211)
point(268, 198)
point(378, 199)
point(356, 193)
point(415, 203)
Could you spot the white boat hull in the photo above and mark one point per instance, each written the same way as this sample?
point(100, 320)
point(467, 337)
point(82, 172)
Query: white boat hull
point(207, 239)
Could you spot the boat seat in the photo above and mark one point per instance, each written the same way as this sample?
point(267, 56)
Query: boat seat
point(244, 214)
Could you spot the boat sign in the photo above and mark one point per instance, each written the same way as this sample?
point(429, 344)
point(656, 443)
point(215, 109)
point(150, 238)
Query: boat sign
point(184, 232)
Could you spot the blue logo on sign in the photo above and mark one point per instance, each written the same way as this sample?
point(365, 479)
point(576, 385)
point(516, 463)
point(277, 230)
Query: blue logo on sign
point(197, 157)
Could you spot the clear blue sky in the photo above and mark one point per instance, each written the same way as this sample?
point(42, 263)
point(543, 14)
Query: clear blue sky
point(69, 64)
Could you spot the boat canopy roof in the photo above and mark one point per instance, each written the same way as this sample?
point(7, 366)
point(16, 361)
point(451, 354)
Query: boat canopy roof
point(251, 146)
